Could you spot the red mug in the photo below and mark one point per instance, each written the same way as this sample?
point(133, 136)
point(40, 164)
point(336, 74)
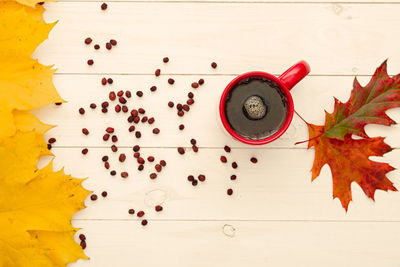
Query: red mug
point(285, 82)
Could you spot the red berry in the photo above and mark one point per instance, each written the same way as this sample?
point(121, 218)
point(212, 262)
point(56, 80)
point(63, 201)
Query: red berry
point(194, 182)
point(93, 197)
point(120, 93)
point(104, 194)
point(131, 211)
point(104, 110)
point(139, 93)
point(233, 177)
point(83, 244)
point(112, 96)
point(181, 113)
point(254, 160)
point(171, 81)
point(140, 160)
point(136, 155)
point(144, 222)
point(124, 174)
point(117, 108)
point(140, 213)
point(106, 165)
point(190, 178)
point(138, 134)
point(223, 159)
point(190, 95)
point(157, 72)
point(185, 107)
point(125, 109)
point(85, 151)
point(81, 111)
point(156, 131)
point(229, 191)
point(128, 94)
point(193, 141)
point(153, 175)
point(96, 46)
point(110, 130)
point(181, 127)
point(153, 88)
point(106, 137)
point(110, 80)
point(122, 157)
point(190, 101)
point(103, 6)
point(151, 120)
point(234, 165)
point(141, 167)
point(108, 46)
point(88, 40)
point(113, 173)
point(114, 148)
point(158, 167)
point(201, 81)
point(227, 149)
point(181, 150)
point(93, 106)
point(113, 42)
point(136, 148)
point(131, 128)
point(52, 140)
point(163, 163)
point(114, 139)
point(104, 158)
point(85, 131)
point(195, 148)
point(103, 81)
point(170, 104)
point(134, 112)
point(122, 100)
point(150, 158)
point(141, 110)
point(213, 65)
point(90, 62)
point(201, 177)
point(165, 60)
point(158, 208)
point(144, 119)
point(82, 237)
point(195, 85)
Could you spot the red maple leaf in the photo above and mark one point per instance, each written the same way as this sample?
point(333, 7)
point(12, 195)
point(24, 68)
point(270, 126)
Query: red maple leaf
point(348, 158)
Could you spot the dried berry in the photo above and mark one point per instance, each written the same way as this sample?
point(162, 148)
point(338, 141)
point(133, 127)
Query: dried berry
point(151, 120)
point(181, 113)
point(181, 150)
point(108, 46)
point(201, 81)
point(122, 100)
point(233, 177)
point(96, 46)
point(157, 72)
point(193, 141)
point(229, 191)
point(130, 119)
point(131, 211)
point(103, 81)
point(213, 65)
point(48, 146)
point(110, 80)
point(254, 160)
point(170, 104)
point(190, 178)
point(136, 155)
point(52, 140)
point(88, 40)
point(138, 134)
point(201, 177)
point(156, 131)
point(125, 109)
point(85, 131)
point(194, 182)
point(139, 93)
point(82, 237)
point(113, 172)
point(227, 149)
point(190, 101)
point(93, 197)
point(90, 62)
point(153, 175)
point(106, 165)
point(140, 213)
point(195, 148)
point(141, 167)
point(195, 85)
point(158, 208)
point(81, 111)
point(140, 160)
point(131, 128)
point(124, 174)
point(136, 119)
point(110, 130)
point(85, 151)
point(153, 88)
point(93, 106)
point(114, 139)
point(128, 94)
point(163, 163)
point(120, 93)
point(234, 165)
point(136, 148)
point(158, 167)
point(171, 81)
point(165, 60)
point(181, 127)
point(122, 157)
point(104, 194)
point(144, 222)
point(104, 158)
point(103, 6)
point(185, 107)
point(106, 137)
point(179, 106)
point(104, 110)
point(113, 42)
point(117, 108)
point(141, 111)
point(150, 158)
point(134, 112)
point(83, 244)
point(114, 148)
point(223, 159)
point(190, 95)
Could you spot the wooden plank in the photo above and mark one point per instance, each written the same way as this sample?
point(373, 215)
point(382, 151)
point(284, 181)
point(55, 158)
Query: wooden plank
point(335, 38)
point(196, 244)
point(311, 97)
point(278, 187)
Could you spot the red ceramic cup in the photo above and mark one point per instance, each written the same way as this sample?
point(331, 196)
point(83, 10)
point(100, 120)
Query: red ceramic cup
point(286, 81)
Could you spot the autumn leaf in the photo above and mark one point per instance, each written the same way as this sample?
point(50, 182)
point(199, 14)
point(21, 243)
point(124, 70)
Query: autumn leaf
point(348, 158)
point(367, 105)
point(349, 162)
point(25, 84)
point(36, 207)
point(30, 3)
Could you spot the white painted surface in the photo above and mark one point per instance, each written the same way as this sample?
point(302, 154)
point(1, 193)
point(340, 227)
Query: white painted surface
point(276, 216)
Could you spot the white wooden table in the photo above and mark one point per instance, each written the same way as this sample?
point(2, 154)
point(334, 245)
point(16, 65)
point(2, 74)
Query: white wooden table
point(276, 216)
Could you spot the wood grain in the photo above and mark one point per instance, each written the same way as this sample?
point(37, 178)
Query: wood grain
point(196, 244)
point(353, 39)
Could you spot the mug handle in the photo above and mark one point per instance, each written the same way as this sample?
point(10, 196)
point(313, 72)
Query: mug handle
point(294, 74)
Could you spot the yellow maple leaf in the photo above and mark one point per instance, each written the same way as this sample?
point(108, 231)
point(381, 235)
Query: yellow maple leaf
point(36, 207)
point(25, 84)
point(30, 3)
